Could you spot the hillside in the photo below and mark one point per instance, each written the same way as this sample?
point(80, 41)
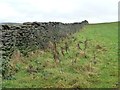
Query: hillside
point(85, 59)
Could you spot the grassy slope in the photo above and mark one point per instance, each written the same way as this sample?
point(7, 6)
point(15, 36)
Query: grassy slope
point(75, 71)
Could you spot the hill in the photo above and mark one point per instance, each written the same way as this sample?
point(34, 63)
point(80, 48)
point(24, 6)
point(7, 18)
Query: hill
point(86, 59)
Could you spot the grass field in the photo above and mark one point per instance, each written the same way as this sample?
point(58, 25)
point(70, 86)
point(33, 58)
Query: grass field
point(94, 67)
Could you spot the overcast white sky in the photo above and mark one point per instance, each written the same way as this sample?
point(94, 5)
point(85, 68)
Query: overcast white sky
point(95, 11)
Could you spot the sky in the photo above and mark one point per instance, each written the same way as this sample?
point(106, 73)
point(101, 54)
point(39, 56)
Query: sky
point(66, 11)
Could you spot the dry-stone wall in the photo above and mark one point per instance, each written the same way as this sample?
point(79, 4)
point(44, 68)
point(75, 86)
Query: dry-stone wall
point(30, 36)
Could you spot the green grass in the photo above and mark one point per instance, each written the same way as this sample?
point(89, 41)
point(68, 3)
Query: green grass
point(83, 73)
